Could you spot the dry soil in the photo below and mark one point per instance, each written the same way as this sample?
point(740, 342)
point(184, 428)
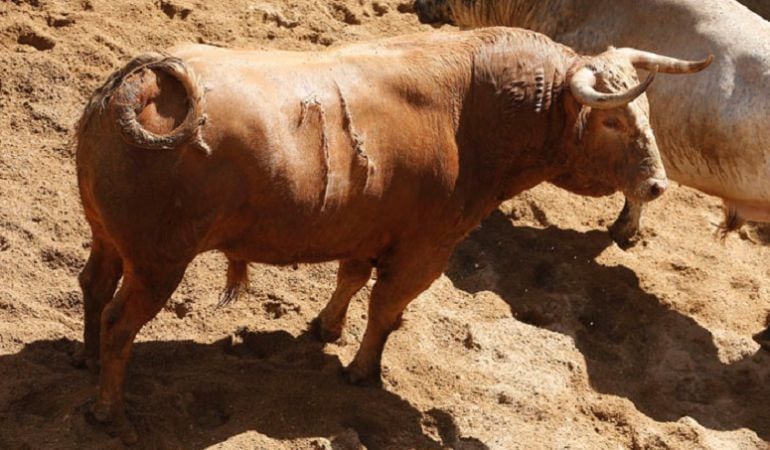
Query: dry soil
point(541, 334)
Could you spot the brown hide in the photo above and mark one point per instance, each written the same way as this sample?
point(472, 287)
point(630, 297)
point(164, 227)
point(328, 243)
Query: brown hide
point(380, 155)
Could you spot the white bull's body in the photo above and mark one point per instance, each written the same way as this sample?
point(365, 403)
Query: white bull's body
point(713, 129)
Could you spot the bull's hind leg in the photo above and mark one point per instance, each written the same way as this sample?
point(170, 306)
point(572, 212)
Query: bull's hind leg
point(625, 230)
point(98, 280)
point(141, 296)
point(401, 277)
point(351, 277)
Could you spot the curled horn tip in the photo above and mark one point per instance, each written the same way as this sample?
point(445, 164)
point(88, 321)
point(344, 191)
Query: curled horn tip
point(697, 66)
point(706, 62)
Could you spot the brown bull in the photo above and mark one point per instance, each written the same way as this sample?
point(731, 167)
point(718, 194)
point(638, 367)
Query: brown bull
point(381, 155)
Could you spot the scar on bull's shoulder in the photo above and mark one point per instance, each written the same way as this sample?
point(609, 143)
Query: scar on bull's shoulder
point(312, 115)
point(347, 124)
point(356, 140)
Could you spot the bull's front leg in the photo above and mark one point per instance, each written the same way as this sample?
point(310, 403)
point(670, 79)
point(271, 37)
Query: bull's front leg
point(625, 230)
point(401, 277)
point(351, 277)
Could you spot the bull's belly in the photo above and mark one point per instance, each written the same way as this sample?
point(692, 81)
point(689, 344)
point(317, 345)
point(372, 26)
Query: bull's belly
point(285, 252)
point(740, 183)
point(709, 154)
point(285, 257)
point(312, 242)
point(754, 211)
point(748, 197)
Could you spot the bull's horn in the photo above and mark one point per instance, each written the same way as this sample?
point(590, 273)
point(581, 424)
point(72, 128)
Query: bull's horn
point(582, 87)
point(646, 60)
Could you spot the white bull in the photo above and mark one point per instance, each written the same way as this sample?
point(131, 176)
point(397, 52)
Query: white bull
point(713, 128)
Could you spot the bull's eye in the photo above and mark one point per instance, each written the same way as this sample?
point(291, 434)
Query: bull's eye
point(613, 123)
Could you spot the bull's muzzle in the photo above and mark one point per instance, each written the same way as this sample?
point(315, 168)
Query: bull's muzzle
point(653, 188)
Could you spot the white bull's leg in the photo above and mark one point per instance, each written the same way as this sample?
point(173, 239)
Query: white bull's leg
point(352, 275)
point(401, 277)
point(626, 227)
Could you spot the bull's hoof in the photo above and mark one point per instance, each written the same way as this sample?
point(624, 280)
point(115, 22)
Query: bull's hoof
point(361, 377)
point(115, 425)
point(763, 339)
point(102, 413)
point(127, 434)
point(324, 334)
point(624, 235)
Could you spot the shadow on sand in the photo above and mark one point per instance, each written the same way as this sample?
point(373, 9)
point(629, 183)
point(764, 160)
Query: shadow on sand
point(635, 346)
point(182, 394)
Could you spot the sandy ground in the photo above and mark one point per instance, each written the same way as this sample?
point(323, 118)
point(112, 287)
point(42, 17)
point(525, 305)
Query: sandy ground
point(541, 334)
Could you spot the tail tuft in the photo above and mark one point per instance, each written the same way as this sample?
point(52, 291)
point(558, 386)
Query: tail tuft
point(733, 221)
point(237, 282)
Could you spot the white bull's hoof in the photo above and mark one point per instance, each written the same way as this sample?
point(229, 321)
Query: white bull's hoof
point(625, 230)
point(624, 235)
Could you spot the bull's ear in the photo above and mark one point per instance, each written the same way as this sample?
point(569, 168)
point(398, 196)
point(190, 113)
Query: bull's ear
point(577, 117)
point(581, 123)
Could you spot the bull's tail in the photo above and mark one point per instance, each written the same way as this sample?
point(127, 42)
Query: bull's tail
point(123, 100)
point(733, 221)
point(237, 282)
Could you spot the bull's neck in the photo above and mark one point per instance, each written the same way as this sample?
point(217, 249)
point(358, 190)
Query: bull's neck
point(513, 147)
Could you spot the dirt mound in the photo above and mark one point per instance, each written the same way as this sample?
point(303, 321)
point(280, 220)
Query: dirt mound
point(541, 334)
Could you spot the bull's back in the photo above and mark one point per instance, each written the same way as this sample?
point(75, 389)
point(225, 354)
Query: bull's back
point(338, 150)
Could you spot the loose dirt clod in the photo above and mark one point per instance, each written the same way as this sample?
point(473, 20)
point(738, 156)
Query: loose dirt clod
point(36, 40)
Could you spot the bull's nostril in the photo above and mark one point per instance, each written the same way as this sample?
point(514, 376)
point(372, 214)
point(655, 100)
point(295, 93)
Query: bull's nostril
point(657, 188)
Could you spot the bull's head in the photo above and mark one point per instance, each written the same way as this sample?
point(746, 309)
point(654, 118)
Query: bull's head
point(612, 144)
point(433, 12)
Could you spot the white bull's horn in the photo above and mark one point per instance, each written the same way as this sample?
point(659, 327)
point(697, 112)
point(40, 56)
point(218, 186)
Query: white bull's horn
point(582, 87)
point(646, 60)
